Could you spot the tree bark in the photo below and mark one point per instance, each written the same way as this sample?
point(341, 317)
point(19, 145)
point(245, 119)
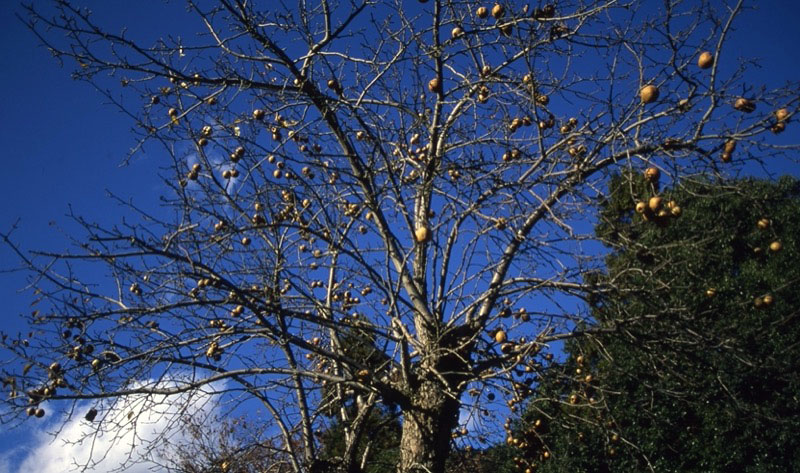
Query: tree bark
point(427, 427)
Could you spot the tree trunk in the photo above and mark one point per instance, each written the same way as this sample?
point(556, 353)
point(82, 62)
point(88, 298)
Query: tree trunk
point(427, 427)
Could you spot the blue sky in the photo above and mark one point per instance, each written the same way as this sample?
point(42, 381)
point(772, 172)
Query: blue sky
point(62, 146)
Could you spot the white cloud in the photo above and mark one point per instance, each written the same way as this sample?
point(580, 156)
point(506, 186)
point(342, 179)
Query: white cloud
point(121, 438)
point(5, 464)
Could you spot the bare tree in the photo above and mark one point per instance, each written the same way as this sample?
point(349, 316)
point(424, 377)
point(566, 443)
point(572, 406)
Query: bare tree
point(421, 174)
point(222, 445)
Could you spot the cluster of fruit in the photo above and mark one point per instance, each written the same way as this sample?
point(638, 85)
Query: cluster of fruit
point(650, 93)
point(654, 209)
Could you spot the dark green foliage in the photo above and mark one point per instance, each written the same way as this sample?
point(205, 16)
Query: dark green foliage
point(377, 448)
point(703, 375)
point(495, 459)
point(357, 343)
point(379, 442)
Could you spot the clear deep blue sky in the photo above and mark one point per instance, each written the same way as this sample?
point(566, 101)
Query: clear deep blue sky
point(62, 146)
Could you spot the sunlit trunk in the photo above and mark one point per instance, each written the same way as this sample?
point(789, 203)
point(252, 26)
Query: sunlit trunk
point(427, 427)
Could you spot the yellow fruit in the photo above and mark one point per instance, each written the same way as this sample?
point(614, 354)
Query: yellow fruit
point(422, 234)
point(333, 85)
point(457, 31)
point(652, 174)
point(730, 146)
point(500, 336)
point(648, 94)
point(781, 114)
point(744, 105)
point(775, 246)
point(705, 60)
point(654, 203)
point(498, 11)
point(640, 207)
point(763, 224)
point(482, 12)
point(435, 85)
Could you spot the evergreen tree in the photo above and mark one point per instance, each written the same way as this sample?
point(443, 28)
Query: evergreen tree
point(377, 449)
point(722, 275)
